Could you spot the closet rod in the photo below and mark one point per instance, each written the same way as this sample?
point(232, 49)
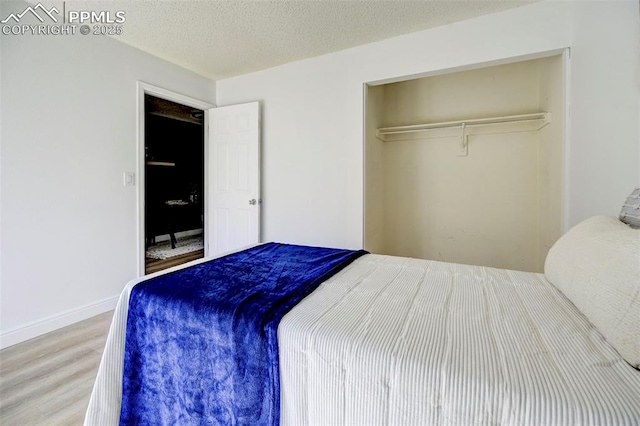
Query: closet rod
point(459, 123)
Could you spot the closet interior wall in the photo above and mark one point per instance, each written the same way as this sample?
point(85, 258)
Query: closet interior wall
point(499, 206)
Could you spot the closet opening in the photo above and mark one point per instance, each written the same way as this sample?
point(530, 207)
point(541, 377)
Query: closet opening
point(173, 184)
point(467, 167)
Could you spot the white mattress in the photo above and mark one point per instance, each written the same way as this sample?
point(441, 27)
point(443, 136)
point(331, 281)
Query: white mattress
point(402, 341)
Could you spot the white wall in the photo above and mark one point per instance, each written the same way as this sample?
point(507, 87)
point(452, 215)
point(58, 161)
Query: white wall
point(68, 134)
point(313, 111)
point(486, 92)
point(374, 240)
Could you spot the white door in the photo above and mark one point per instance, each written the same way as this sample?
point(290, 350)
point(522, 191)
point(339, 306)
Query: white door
point(234, 177)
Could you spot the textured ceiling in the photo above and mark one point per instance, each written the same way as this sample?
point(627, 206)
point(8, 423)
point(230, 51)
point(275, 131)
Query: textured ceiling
point(220, 39)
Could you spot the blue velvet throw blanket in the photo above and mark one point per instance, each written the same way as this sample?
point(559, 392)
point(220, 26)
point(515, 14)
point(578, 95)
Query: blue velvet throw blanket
point(201, 343)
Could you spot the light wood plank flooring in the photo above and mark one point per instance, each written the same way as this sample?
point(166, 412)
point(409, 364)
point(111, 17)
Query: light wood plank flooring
point(48, 380)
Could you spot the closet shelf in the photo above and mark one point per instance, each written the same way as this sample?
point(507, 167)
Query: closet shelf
point(161, 163)
point(474, 126)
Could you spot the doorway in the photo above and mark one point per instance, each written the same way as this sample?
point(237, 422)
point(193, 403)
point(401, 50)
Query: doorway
point(467, 167)
point(174, 183)
point(228, 194)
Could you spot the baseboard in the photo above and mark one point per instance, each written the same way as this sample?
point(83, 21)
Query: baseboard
point(54, 322)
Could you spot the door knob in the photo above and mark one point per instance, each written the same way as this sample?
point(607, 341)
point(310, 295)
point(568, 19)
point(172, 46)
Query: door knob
point(253, 202)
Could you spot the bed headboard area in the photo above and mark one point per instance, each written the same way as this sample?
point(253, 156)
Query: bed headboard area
point(597, 266)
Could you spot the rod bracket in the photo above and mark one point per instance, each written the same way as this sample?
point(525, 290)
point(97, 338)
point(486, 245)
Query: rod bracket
point(464, 141)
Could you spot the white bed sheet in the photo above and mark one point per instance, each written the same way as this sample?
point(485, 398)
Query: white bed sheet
point(402, 341)
point(397, 341)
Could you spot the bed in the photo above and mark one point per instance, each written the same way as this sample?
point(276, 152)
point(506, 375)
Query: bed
point(400, 341)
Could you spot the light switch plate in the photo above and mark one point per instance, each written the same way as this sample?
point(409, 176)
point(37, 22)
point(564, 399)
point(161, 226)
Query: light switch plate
point(129, 179)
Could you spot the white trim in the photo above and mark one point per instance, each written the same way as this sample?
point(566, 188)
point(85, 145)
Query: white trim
point(143, 88)
point(566, 138)
point(207, 179)
point(173, 96)
point(468, 67)
point(365, 94)
point(55, 322)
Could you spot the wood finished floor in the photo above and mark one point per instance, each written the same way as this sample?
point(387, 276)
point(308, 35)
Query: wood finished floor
point(154, 265)
point(48, 380)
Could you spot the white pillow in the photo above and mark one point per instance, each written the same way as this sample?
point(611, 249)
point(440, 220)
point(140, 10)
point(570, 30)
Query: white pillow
point(630, 213)
point(597, 266)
